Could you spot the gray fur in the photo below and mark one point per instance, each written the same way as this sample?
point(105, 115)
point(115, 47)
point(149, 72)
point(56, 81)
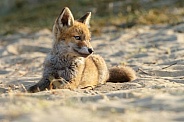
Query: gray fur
point(58, 63)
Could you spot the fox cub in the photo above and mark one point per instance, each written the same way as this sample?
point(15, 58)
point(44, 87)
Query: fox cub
point(71, 63)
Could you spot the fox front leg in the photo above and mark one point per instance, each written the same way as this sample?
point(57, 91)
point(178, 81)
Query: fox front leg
point(43, 84)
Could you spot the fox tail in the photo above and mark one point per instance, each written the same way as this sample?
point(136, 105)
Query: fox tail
point(121, 74)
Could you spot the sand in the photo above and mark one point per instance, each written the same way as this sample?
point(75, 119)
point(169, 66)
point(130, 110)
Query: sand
point(156, 53)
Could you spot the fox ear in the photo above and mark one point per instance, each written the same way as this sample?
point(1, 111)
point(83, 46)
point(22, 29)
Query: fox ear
point(65, 18)
point(85, 19)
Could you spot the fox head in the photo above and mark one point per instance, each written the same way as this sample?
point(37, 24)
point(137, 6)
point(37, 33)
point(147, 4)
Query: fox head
point(72, 36)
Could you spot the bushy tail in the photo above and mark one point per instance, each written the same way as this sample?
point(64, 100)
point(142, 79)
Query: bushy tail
point(121, 74)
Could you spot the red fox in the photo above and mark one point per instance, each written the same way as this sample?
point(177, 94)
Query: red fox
point(71, 63)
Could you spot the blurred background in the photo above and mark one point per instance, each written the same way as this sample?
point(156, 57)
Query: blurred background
point(34, 15)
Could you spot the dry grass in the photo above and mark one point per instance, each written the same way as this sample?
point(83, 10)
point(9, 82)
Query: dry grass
point(41, 14)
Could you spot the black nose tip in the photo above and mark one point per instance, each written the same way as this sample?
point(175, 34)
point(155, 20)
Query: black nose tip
point(90, 50)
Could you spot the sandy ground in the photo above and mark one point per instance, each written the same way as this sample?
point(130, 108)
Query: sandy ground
point(155, 52)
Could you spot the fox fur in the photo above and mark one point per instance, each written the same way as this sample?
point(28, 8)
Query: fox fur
point(71, 63)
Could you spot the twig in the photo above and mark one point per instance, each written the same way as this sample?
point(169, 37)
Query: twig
point(24, 88)
point(170, 65)
point(144, 71)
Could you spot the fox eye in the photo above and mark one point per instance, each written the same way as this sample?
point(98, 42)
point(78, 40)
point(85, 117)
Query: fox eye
point(77, 37)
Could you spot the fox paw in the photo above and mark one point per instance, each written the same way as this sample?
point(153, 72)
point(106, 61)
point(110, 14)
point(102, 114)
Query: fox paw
point(59, 83)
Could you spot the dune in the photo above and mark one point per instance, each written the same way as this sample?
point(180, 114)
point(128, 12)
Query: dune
point(156, 53)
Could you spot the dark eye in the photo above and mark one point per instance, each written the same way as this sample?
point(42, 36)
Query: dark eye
point(77, 37)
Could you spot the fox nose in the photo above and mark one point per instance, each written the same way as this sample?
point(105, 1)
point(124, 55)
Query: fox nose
point(90, 50)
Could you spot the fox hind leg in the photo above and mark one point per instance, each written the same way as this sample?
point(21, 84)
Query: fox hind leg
point(103, 73)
